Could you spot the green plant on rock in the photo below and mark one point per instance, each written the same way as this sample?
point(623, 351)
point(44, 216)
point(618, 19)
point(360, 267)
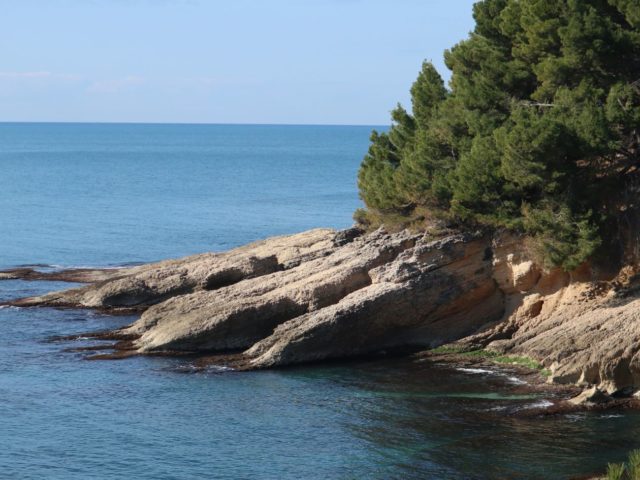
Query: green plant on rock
point(634, 465)
point(625, 471)
point(492, 356)
point(615, 471)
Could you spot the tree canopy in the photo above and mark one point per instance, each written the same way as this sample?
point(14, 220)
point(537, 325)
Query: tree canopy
point(538, 130)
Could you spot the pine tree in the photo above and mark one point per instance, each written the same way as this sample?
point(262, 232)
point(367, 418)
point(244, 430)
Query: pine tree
point(539, 130)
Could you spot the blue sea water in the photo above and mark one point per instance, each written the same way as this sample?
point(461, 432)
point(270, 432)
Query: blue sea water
point(110, 194)
point(83, 194)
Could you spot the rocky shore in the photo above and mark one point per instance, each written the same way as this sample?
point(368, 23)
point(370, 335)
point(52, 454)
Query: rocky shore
point(326, 294)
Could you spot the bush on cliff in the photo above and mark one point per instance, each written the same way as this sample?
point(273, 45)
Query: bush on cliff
point(538, 132)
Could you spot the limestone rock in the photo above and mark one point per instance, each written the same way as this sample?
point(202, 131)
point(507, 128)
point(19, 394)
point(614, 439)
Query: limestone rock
point(580, 336)
point(150, 284)
point(590, 396)
point(324, 294)
point(238, 315)
point(429, 295)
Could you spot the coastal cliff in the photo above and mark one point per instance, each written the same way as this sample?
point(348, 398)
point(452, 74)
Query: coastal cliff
point(536, 138)
point(326, 294)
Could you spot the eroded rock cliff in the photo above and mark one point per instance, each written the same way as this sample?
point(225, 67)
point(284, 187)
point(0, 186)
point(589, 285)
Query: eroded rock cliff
point(583, 326)
point(324, 294)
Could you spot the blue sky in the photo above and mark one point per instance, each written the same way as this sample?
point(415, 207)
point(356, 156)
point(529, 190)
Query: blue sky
point(215, 61)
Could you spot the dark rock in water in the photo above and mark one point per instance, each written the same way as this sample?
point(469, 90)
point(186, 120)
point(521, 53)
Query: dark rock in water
point(75, 275)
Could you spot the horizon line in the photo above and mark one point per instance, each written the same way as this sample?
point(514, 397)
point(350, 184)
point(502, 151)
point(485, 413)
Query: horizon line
point(254, 124)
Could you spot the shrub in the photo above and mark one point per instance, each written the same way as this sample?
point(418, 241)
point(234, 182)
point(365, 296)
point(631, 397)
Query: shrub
point(615, 471)
point(634, 465)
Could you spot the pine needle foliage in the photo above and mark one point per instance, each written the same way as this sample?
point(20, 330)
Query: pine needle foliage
point(538, 130)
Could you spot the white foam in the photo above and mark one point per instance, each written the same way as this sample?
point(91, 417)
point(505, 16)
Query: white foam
point(497, 409)
point(219, 368)
point(575, 417)
point(476, 371)
point(483, 371)
point(516, 381)
point(190, 367)
point(538, 404)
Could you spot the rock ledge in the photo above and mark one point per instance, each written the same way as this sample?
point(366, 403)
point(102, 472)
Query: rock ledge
point(324, 294)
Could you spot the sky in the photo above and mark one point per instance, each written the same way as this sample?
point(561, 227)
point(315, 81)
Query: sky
point(346, 62)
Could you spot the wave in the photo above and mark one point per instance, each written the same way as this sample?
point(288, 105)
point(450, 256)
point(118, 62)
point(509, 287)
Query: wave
point(536, 405)
point(83, 267)
point(54, 267)
point(516, 380)
point(192, 368)
point(484, 371)
point(476, 371)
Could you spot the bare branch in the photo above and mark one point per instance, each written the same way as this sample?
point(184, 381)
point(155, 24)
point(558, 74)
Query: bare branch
point(536, 104)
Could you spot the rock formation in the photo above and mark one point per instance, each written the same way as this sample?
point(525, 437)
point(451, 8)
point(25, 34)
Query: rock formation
point(324, 294)
point(583, 326)
point(146, 285)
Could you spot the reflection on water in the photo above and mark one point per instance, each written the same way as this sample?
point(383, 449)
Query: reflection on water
point(64, 417)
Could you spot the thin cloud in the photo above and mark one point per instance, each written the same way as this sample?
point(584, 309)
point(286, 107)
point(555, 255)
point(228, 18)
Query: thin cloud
point(115, 85)
point(212, 81)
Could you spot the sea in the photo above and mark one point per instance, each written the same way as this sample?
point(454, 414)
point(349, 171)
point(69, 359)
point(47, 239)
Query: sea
point(106, 195)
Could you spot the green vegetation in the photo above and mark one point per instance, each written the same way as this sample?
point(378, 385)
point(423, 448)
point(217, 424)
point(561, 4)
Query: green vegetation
point(634, 465)
point(538, 132)
point(615, 471)
point(628, 471)
point(492, 356)
point(451, 349)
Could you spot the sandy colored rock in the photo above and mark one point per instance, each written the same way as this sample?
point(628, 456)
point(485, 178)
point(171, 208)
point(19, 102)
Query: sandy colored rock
point(432, 293)
point(324, 294)
point(572, 323)
point(149, 284)
point(590, 396)
point(238, 315)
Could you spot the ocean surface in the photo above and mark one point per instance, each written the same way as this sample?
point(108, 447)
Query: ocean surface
point(107, 195)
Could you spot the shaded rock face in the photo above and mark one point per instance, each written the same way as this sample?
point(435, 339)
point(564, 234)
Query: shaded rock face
point(324, 294)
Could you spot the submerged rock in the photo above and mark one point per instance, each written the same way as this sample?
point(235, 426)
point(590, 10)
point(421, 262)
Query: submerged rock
point(79, 275)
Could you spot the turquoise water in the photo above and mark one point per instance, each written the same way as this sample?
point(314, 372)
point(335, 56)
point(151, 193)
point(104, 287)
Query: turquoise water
point(112, 194)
